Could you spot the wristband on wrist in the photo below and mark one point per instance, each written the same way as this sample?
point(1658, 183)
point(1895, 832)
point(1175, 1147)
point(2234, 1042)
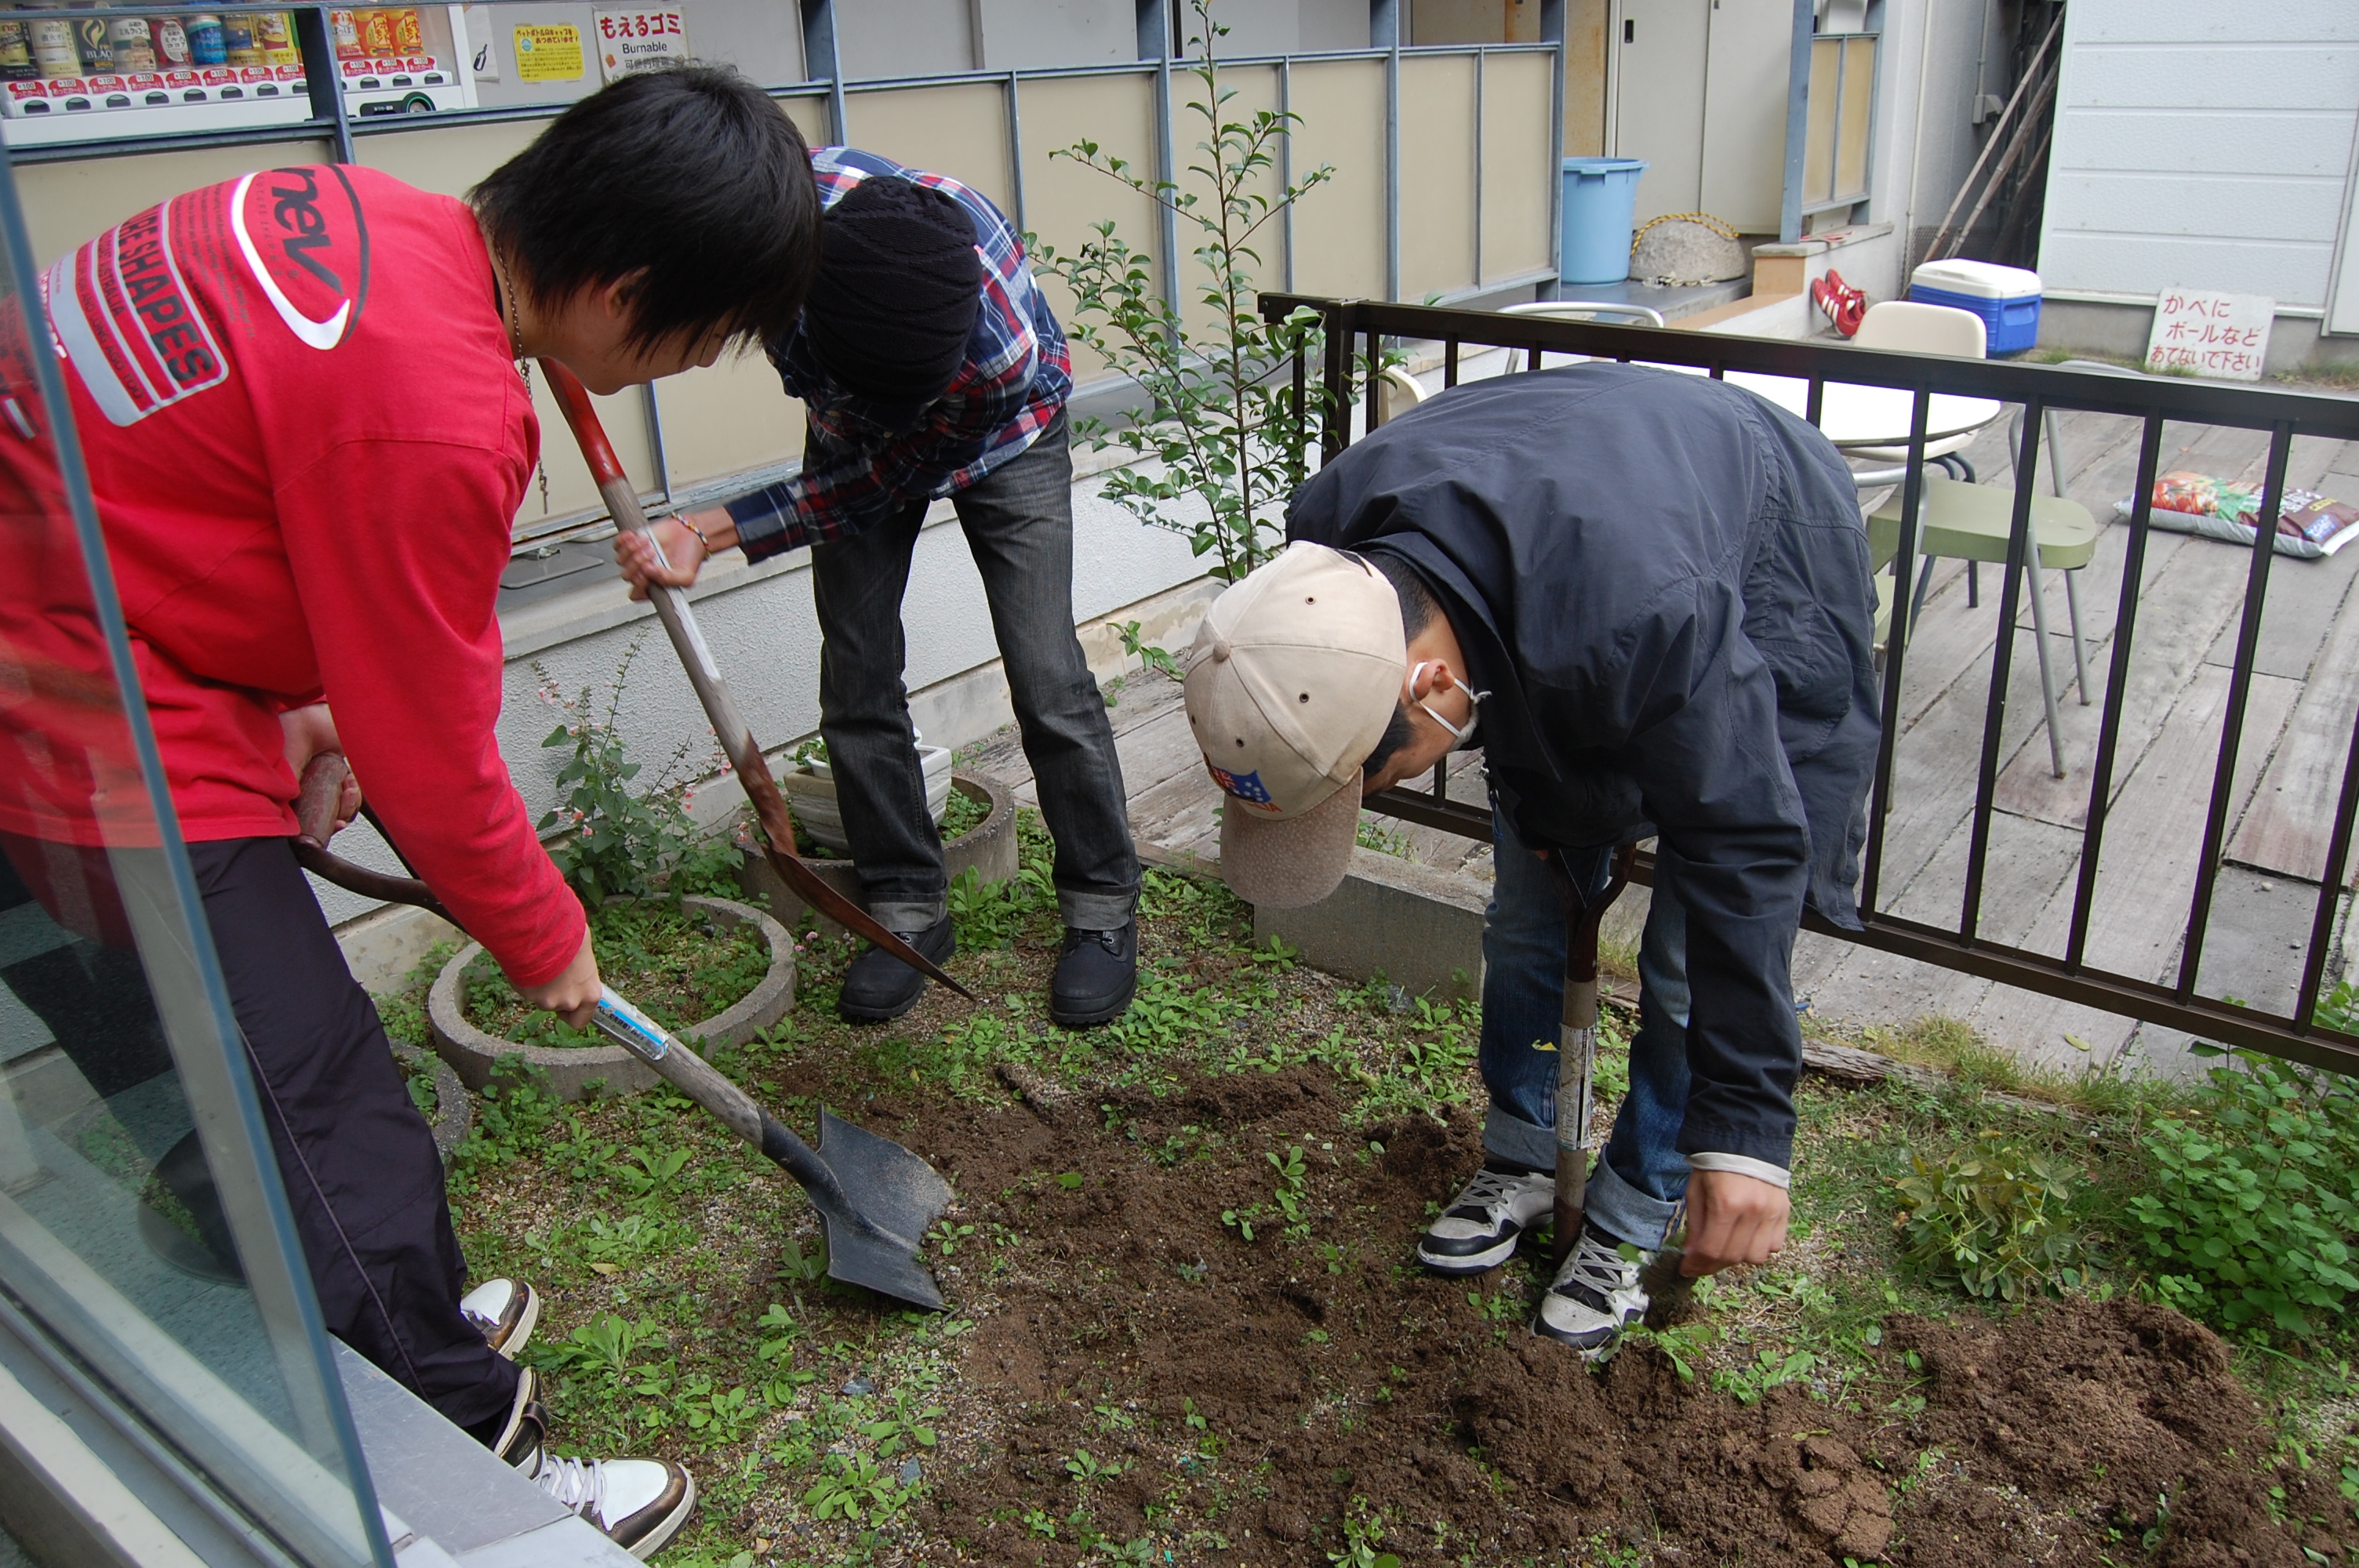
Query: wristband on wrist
point(704, 543)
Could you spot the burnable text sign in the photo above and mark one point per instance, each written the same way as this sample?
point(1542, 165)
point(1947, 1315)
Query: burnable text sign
point(2226, 336)
point(639, 40)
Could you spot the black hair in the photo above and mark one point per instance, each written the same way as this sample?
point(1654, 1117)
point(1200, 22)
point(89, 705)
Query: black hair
point(690, 182)
point(1417, 609)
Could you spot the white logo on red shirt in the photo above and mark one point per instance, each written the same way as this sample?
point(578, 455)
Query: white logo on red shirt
point(123, 315)
point(312, 258)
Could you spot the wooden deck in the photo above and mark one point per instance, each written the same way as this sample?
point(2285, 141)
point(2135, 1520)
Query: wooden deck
point(2296, 731)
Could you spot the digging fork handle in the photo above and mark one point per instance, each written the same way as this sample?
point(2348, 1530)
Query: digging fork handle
point(1577, 1037)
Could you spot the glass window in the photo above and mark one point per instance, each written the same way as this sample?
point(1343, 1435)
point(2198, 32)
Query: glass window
point(145, 1241)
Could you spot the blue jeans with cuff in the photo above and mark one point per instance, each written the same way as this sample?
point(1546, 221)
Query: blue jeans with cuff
point(1639, 1182)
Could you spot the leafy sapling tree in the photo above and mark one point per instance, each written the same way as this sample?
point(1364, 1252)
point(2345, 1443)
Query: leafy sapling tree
point(620, 841)
point(1226, 431)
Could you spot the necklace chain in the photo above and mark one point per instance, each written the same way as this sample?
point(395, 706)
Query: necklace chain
point(523, 365)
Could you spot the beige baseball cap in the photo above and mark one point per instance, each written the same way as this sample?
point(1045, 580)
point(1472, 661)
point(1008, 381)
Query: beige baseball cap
point(1294, 674)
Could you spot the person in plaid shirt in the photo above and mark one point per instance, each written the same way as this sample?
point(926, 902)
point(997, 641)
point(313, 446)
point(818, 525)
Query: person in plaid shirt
point(928, 365)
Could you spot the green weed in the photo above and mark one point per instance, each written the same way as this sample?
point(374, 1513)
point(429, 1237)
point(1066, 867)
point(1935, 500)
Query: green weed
point(2251, 1221)
point(1990, 1220)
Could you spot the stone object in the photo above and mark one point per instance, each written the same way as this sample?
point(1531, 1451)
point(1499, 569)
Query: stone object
point(1683, 252)
point(573, 1069)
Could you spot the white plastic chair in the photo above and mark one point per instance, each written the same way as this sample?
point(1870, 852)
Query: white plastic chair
point(1578, 310)
point(1397, 392)
point(1907, 327)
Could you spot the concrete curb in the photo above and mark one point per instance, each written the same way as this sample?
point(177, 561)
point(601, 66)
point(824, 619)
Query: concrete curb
point(454, 1108)
point(572, 1070)
point(1418, 925)
point(989, 849)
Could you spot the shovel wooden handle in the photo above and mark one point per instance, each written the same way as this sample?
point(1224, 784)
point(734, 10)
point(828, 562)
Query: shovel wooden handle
point(737, 740)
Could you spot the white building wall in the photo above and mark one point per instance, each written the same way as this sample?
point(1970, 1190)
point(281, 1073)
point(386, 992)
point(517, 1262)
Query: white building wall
point(2202, 145)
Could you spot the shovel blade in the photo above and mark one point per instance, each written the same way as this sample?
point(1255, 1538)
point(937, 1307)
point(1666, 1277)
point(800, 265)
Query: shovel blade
point(899, 1197)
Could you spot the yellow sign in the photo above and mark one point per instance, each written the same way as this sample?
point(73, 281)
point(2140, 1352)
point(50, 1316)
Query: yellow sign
point(549, 53)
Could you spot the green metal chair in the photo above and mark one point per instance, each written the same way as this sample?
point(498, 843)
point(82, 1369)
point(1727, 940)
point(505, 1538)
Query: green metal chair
point(1972, 523)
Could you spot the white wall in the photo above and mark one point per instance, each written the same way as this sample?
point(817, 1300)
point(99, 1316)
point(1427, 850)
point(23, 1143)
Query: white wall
point(2202, 145)
point(905, 38)
point(1021, 34)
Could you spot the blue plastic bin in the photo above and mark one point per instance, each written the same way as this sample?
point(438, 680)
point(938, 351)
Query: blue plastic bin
point(2005, 297)
point(1600, 196)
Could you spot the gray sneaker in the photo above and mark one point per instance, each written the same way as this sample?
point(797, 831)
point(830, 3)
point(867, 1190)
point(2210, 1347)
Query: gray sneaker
point(1594, 1299)
point(1480, 1228)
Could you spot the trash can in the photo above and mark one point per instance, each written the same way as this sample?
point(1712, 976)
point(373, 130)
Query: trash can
point(1600, 195)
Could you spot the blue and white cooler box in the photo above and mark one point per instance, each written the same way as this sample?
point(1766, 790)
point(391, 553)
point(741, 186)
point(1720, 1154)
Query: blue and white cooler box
point(2005, 297)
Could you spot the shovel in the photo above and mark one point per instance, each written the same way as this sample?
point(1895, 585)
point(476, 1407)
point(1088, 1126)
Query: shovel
point(687, 641)
point(872, 1239)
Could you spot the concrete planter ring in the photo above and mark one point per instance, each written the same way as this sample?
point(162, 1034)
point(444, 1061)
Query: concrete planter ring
point(571, 1070)
point(988, 848)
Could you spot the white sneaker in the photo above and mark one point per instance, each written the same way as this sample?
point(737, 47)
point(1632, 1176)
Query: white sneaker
point(1594, 1298)
point(640, 1504)
point(1481, 1227)
point(506, 1310)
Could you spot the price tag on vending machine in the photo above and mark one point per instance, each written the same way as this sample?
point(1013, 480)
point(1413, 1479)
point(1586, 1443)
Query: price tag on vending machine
point(639, 40)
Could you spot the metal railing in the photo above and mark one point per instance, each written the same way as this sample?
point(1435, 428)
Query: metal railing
point(2038, 390)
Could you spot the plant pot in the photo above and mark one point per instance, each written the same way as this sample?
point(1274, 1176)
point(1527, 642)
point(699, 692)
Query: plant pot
point(989, 847)
point(571, 1070)
point(811, 789)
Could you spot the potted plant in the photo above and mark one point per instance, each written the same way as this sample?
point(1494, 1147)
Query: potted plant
point(710, 968)
point(809, 786)
point(975, 813)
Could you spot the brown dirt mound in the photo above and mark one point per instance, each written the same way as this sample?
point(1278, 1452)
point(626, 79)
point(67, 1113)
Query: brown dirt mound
point(1332, 1368)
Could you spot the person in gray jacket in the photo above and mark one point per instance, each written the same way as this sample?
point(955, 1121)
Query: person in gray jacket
point(1647, 596)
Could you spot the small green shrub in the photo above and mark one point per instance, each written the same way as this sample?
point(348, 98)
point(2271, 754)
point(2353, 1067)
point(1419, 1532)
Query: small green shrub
point(2255, 1209)
point(1989, 1221)
point(620, 841)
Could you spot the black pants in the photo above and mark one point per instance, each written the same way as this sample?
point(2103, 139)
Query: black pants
point(362, 1174)
point(1019, 521)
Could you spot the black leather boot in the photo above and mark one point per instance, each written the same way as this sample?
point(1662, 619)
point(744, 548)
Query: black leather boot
point(879, 987)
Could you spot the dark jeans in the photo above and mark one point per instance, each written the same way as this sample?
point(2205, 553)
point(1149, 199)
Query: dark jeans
point(1636, 1187)
point(1019, 527)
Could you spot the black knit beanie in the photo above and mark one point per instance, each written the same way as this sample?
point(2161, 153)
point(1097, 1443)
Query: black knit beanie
point(899, 285)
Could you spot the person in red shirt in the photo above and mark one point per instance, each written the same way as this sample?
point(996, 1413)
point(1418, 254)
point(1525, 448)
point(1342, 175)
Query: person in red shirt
point(298, 399)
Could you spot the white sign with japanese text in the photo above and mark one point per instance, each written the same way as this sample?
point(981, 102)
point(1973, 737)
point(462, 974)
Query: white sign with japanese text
point(639, 40)
point(2226, 336)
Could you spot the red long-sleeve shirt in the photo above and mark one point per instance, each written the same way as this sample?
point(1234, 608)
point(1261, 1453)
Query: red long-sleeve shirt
point(306, 439)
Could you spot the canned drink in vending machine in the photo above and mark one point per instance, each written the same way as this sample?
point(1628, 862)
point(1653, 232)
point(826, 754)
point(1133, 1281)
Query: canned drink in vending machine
point(275, 32)
point(204, 31)
point(409, 31)
point(55, 53)
point(238, 46)
point(171, 41)
point(344, 31)
point(135, 45)
point(97, 49)
point(15, 50)
point(376, 34)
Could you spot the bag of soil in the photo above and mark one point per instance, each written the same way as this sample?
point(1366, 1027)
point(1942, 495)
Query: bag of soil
point(2309, 525)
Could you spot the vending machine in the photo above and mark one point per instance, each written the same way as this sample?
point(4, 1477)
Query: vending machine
point(73, 77)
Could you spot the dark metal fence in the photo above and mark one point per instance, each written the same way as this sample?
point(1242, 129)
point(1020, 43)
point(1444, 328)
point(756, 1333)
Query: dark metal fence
point(1355, 330)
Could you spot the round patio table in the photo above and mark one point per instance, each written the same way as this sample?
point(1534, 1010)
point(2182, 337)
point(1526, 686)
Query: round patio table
point(1856, 415)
